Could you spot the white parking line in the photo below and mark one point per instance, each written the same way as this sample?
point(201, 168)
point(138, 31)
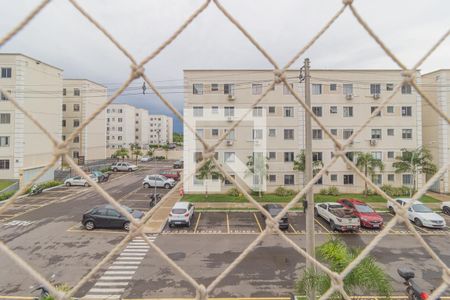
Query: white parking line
point(135, 250)
point(123, 267)
point(130, 258)
point(132, 254)
point(101, 297)
point(116, 278)
point(138, 247)
point(119, 272)
point(107, 290)
point(126, 263)
point(112, 283)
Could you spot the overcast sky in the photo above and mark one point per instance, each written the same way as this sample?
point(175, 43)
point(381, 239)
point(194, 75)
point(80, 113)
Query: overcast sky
point(61, 36)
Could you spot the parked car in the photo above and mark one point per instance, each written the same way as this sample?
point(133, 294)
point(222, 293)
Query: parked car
point(337, 216)
point(146, 159)
point(273, 210)
point(172, 146)
point(101, 177)
point(368, 217)
point(175, 175)
point(78, 180)
point(106, 216)
point(182, 213)
point(157, 180)
point(445, 206)
point(123, 166)
point(178, 164)
point(420, 214)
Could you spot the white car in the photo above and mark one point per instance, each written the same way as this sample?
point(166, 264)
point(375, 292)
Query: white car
point(123, 166)
point(78, 180)
point(158, 181)
point(337, 216)
point(445, 206)
point(420, 214)
point(145, 159)
point(182, 213)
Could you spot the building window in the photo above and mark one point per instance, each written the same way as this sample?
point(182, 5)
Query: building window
point(227, 182)
point(64, 137)
point(348, 111)
point(272, 132)
point(229, 111)
point(317, 134)
point(119, 110)
point(316, 89)
point(214, 132)
point(228, 89)
point(288, 111)
point(348, 179)
point(75, 154)
point(198, 111)
point(271, 109)
point(257, 134)
point(76, 123)
point(333, 110)
point(199, 132)
point(231, 136)
point(63, 107)
point(406, 89)
point(4, 141)
point(333, 131)
point(406, 111)
point(214, 109)
point(272, 178)
point(389, 86)
point(406, 134)
point(5, 118)
point(272, 155)
point(229, 157)
point(347, 133)
point(390, 132)
point(317, 110)
point(257, 111)
point(120, 128)
point(76, 107)
point(350, 155)
point(377, 155)
point(64, 92)
point(333, 177)
point(377, 179)
point(391, 177)
point(76, 139)
point(333, 87)
point(374, 108)
point(376, 134)
point(214, 87)
point(119, 138)
point(289, 134)
point(63, 123)
point(317, 156)
point(256, 88)
point(197, 88)
point(375, 88)
point(4, 163)
point(288, 156)
point(390, 154)
point(76, 92)
point(286, 90)
point(347, 88)
point(6, 73)
point(406, 179)
point(119, 120)
point(288, 179)
point(3, 96)
point(390, 109)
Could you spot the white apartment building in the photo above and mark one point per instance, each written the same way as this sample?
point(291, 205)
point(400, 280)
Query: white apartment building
point(161, 129)
point(142, 127)
point(81, 98)
point(342, 99)
point(120, 126)
point(436, 131)
point(37, 86)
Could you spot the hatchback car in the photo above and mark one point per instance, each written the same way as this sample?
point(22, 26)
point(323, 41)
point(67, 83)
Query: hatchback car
point(178, 164)
point(158, 181)
point(175, 175)
point(78, 180)
point(106, 216)
point(182, 213)
point(367, 215)
point(123, 166)
point(420, 214)
point(145, 159)
point(274, 210)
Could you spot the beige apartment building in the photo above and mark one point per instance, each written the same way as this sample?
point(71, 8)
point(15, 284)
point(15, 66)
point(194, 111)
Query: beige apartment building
point(81, 98)
point(142, 128)
point(37, 86)
point(436, 131)
point(120, 127)
point(161, 129)
point(342, 100)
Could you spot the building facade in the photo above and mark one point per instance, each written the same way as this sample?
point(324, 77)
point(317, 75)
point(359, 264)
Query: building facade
point(81, 98)
point(142, 128)
point(436, 131)
point(341, 99)
point(37, 86)
point(120, 126)
point(161, 129)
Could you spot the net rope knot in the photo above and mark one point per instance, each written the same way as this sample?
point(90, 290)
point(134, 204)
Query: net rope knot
point(208, 153)
point(271, 224)
point(138, 71)
point(347, 2)
point(408, 75)
point(402, 213)
point(60, 150)
point(279, 76)
point(201, 293)
point(337, 281)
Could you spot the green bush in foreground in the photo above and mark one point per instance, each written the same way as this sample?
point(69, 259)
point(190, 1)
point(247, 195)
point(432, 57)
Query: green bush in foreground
point(281, 191)
point(234, 192)
point(331, 191)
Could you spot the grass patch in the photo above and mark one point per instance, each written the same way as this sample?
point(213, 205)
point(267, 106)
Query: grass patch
point(6, 195)
point(280, 199)
point(5, 183)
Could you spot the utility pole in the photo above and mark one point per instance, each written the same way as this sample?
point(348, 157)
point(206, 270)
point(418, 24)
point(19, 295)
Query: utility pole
point(309, 211)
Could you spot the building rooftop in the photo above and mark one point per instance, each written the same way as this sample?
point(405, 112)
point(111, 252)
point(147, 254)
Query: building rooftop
point(29, 57)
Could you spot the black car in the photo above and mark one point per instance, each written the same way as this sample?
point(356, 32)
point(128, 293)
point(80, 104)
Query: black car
point(273, 210)
point(178, 164)
point(106, 216)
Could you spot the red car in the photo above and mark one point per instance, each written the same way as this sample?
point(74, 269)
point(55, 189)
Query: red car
point(369, 218)
point(175, 175)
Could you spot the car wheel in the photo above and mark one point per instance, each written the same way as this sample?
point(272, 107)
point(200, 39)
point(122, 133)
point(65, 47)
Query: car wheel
point(446, 210)
point(86, 184)
point(68, 184)
point(332, 225)
point(418, 222)
point(170, 225)
point(167, 186)
point(391, 210)
point(130, 169)
point(115, 169)
point(146, 185)
point(126, 226)
point(89, 225)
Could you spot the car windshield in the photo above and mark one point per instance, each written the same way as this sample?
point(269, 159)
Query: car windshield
point(335, 206)
point(274, 211)
point(178, 211)
point(163, 177)
point(420, 208)
point(364, 209)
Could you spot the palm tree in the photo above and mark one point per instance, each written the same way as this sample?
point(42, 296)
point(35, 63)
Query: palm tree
point(150, 152)
point(418, 161)
point(300, 164)
point(368, 164)
point(122, 152)
point(208, 170)
point(257, 166)
point(367, 277)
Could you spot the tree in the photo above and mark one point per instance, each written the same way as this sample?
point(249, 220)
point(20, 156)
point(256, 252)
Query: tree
point(122, 152)
point(136, 151)
point(368, 164)
point(166, 150)
point(366, 278)
point(208, 170)
point(418, 161)
point(257, 166)
point(300, 164)
point(177, 138)
point(150, 152)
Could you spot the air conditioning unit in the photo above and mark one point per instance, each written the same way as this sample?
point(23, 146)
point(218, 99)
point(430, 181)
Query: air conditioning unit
point(231, 97)
point(373, 142)
point(349, 96)
point(230, 142)
point(230, 119)
point(376, 96)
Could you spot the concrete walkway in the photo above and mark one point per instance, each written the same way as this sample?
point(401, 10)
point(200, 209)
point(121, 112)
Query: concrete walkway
point(440, 197)
point(157, 222)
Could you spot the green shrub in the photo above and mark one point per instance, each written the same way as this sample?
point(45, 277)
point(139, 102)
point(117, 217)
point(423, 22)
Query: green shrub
point(281, 191)
point(234, 192)
point(323, 191)
point(395, 191)
point(6, 195)
point(371, 192)
point(333, 191)
point(46, 185)
point(105, 169)
point(257, 193)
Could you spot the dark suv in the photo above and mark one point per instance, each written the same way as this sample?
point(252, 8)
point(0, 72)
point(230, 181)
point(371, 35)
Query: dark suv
point(178, 164)
point(106, 216)
point(273, 210)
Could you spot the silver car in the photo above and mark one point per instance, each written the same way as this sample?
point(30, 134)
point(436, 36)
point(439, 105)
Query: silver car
point(123, 166)
point(158, 181)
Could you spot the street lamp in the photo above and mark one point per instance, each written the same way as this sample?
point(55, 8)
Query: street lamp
point(411, 163)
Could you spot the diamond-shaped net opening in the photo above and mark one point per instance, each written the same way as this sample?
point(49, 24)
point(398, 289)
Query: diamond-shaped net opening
point(137, 71)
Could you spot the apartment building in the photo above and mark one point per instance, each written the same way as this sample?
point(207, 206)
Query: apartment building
point(81, 98)
point(341, 99)
point(436, 131)
point(142, 127)
point(120, 126)
point(161, 129)
point(37, 86)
